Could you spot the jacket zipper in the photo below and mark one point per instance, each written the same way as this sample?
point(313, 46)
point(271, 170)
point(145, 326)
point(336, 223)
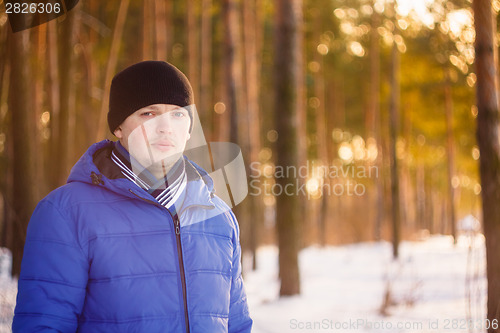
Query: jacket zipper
point(177, 226)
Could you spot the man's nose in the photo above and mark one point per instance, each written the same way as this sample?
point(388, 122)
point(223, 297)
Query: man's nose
point(163, 123)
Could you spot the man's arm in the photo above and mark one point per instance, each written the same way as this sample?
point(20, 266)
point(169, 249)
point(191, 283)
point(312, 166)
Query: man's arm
point(54, 273)
point(239, 317)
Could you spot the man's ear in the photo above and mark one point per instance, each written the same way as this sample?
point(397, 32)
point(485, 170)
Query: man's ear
point(118, 133)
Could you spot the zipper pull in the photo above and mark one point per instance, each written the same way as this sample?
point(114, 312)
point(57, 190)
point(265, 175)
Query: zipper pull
point(177, 225)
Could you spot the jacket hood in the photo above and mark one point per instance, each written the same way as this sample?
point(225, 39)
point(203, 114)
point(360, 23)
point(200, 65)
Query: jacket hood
point(83, 169)
point(95, 167)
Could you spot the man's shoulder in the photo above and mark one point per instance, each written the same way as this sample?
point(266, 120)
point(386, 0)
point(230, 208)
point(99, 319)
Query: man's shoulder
point(222, 210)
point(74, 193)
point(221, 205)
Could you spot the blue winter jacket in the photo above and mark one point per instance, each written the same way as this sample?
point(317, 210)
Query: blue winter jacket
point(102, 255)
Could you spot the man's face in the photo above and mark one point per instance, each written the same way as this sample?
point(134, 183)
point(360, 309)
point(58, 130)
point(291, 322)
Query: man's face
point(156, 136)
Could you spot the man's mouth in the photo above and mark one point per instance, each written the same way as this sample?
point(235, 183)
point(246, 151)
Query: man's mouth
point(163, 145)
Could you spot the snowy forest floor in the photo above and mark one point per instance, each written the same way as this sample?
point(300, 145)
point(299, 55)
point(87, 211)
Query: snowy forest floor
point(433, 287)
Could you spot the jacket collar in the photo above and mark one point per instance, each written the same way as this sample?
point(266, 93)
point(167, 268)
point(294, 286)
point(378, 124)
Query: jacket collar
point(96, 167)
point(200, 189)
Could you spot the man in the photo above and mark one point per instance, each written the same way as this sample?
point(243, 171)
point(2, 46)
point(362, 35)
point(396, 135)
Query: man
point(136, 241)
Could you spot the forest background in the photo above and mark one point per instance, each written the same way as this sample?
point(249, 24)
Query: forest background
point(379, 123)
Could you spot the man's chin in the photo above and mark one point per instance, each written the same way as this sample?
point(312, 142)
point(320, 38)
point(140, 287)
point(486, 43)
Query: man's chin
point(162, 158)
point(164, 162)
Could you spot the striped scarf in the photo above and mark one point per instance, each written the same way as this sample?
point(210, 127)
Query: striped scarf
point(166, 191)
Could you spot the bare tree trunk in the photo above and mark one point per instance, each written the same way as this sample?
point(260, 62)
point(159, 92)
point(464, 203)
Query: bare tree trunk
point(66, 96)
point(169, 26)
point(23, 199)
point(409, 193)
point(251, 31)
point(193, 48)
point(74, 152)
point(429, 203)
point(38, 73)
point(147, 30)
point(8, 229)
point(334, 201)
point(5, 127)
point(239, 118)
point(233, 73)
point(450, 152)
point(161, 30)
point(489, 146)
point(321, 133)
point(373, 119)
point(89, 39)
point(301, 110)
point(301, 113)
point(53, 100)
point(394, 130)
point(374, 104)
point(288, 55)
point(321, 128)
point(385, 172)
point(406, 202)
point(3, 53)
point(420, 196)
point(111, 66)
point(205, 105)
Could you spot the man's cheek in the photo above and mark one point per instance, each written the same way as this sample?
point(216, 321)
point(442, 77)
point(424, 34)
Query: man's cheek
point(139, 145)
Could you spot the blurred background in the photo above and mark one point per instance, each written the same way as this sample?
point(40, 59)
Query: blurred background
point(365, 108)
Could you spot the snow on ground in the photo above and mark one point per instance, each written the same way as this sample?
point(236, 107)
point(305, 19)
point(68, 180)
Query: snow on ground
point(8, 291)
point(344, 287)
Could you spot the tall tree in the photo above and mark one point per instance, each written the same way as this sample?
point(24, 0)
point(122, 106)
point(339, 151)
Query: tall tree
point(251, 33)
point(394, 131)
point(287, 60)
point(52, 97)
point(420, 196)
point(489, 146)
point(4, 167)
point(236, 98)
point(450, 152)
point(39, 35)
point(66, 94)
point(233, 71)
point(161, 30)
point(3, 53)
point(321, 126)
point(23, 198)
point(408, 213)
point(301, 107)
point(111, 66)
point(205, 105)
point(373, 116)
point(193, 46)
point(148, 27)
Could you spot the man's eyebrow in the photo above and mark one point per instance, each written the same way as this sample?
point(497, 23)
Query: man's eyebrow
point(179, 108)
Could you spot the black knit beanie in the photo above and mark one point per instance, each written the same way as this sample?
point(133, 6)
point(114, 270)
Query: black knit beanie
point(147, 83)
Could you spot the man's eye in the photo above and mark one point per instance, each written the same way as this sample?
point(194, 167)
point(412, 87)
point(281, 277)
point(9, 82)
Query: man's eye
point(147, 114)
point(179, 114)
